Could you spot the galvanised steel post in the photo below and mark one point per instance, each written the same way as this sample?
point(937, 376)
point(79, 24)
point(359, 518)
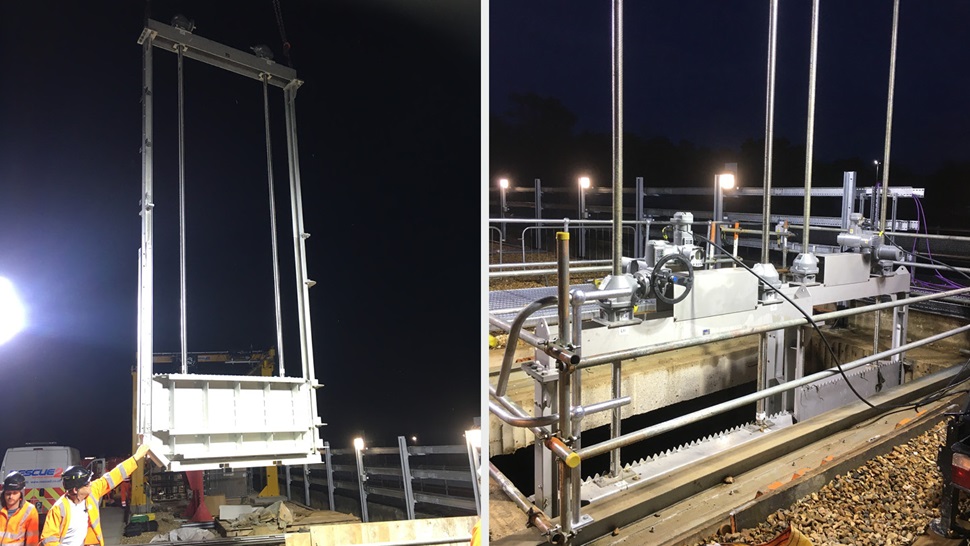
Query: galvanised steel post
point(402, 447)
point(330, 488)
point(361, 478)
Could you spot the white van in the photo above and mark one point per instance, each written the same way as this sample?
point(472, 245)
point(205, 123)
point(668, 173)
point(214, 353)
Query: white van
point(42, 466)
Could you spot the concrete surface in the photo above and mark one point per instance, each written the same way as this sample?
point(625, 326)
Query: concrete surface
point(112, 524)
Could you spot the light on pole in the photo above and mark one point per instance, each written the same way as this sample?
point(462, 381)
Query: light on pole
point(584, 184)
point(722, 181)
point(503, 186)
point(361, 477)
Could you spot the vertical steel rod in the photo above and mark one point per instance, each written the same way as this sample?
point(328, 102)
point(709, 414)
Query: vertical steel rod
point(769, 127)
point(810, 131)
point(272, 225)
point(183, 318)
point(766, 203)
point(565, 390)
point(889, 118)
point(617, 136)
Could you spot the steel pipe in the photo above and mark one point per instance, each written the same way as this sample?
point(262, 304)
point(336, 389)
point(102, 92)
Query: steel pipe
point(606, 358)
point(673, 424)
point(272, 228)
point(521, 421)
point(503, 377)
point(537, 518)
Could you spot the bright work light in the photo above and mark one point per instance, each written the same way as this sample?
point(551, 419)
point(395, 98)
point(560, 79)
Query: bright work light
point(12, 316)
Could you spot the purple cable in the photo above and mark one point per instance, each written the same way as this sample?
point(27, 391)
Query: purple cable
point(921, 219)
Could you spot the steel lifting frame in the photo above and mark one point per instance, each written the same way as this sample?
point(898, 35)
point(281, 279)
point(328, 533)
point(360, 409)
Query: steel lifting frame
point(200, 422)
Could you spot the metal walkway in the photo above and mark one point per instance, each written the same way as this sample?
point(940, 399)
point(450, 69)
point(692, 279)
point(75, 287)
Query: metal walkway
point(507, 304)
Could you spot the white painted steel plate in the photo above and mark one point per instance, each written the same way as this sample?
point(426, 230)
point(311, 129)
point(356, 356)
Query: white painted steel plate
point(202, 422)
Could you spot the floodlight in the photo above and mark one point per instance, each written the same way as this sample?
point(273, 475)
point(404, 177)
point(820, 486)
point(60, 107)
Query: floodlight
point(474, 437)
point(12, 316)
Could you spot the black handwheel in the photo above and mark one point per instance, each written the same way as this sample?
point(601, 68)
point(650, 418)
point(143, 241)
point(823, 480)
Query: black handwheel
point(660, 280)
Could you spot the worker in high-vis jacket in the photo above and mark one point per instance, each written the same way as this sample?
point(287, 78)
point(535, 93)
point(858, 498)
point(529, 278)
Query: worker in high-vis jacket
point(18, 519)
point(75, 518)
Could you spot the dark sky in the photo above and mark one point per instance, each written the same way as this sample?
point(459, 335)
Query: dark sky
point(388, 123)
point(697, 70)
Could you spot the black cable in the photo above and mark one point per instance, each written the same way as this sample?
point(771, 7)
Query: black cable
point(934, 396)
point(828, 346)
point(838, 363)
point(925, 256)
point(966, 365)
point(279, 23)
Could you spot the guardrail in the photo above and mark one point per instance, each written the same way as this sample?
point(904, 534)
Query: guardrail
point(432, 480)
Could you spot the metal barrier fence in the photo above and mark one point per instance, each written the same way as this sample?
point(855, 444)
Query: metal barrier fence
point(434, 478)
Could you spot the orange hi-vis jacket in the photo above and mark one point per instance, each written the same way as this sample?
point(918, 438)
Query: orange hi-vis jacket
point(20, 527)
point(59, 517)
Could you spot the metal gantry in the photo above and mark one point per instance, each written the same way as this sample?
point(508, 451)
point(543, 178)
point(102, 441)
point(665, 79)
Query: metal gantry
point(200, 421)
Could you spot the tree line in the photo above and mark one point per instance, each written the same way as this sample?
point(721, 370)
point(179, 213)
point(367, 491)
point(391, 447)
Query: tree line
point(537, 138)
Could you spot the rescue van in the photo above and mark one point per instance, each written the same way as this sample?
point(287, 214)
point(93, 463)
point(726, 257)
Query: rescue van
point(42, 466)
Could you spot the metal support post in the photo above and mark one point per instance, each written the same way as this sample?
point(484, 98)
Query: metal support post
point(875, 333)
point(615, 424)
point(306, 484)
point(900, 322)
point(566, 477)
point(141, 501)
point(183, 336)
point(300, 236)
point(330, 487)
point(641, 234)
point(576, 399)
point(402, 447)
point(800, 340)
point(892, 224)
point(545, 469)
point(538, 207)
point(718, 199)
point(272, 223)
point(361, 478)
point(581, 243)
point(503, 206)
point(289, 481)
point(474, 462)
point(775, 369)
point(848, 197)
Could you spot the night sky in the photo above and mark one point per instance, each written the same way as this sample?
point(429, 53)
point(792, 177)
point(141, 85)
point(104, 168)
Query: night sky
point(388, 121)
point(696, 70)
